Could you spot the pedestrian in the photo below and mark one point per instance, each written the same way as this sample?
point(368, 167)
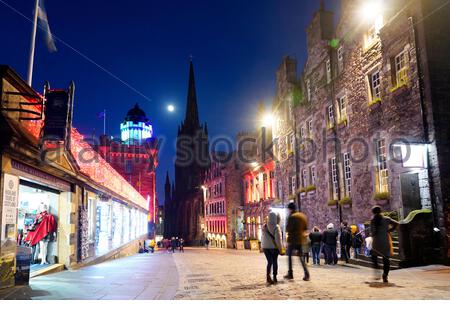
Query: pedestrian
point(345, 239)
point(307, 248)
point(316, 243)
point(207, 243)
point(368, 241)
point(296, 229)
point(271, 245)
point(181, 245)
point(357, 242)
point(173, 244)
point(330, 242)
point(380, 228)
point(152, 246)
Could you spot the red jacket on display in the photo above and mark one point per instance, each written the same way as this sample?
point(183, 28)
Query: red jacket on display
point(45, 224)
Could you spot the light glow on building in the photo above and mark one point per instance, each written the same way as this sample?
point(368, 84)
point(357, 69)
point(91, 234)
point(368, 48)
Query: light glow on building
point(96, 168)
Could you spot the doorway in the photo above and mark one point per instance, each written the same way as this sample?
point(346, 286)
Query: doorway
point(410, 190)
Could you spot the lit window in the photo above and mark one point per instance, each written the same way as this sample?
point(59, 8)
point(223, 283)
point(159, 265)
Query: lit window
point(383, 173)
point(313, 175)
point(304, 178)
point(331, 116)
point(293, 185)
point(347, 174)
point(340, 55)
point(328, 69)
point(334, 178)
point(342, 103)
point(401, 76)
point(375, 85)
point(372, 35)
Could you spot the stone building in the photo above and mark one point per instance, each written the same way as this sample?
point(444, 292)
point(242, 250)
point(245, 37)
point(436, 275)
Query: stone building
point(286, 152)
point(184, 211)
point(135, 157)
point(222, 189)
point(258, 176)
point(372, 119)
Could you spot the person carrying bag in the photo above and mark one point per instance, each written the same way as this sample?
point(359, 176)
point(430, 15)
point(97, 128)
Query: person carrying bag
point(272, 246)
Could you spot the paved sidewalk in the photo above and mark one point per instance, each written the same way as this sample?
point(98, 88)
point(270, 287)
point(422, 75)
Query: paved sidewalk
point(230, 274)
point(227, 274)
point(143, 277)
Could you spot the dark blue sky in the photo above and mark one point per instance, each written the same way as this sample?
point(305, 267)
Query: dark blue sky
point(237, 46)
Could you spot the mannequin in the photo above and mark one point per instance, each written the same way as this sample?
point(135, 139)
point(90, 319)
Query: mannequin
point(42, 231)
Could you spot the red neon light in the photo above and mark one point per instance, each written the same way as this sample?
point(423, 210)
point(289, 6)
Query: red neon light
point(95, 167)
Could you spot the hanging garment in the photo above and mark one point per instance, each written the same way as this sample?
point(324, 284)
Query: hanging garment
point(44, 225)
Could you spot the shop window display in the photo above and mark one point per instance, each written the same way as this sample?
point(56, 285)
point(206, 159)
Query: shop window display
point(37, 223)
point(104, 230)
point(117, 224)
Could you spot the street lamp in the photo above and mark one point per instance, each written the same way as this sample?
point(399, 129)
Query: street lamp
point(371, 9)
point(268, 120)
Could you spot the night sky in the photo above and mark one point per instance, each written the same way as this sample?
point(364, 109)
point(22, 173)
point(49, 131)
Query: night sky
point(236, 45)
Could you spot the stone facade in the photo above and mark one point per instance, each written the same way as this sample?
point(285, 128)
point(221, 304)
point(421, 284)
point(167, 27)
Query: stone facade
point(223, 194)
point(258, 178)
point(136, 160)
point(365, 125)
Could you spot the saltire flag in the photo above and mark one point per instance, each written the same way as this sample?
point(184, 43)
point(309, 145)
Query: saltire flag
point(101, 115)
point(43, 21)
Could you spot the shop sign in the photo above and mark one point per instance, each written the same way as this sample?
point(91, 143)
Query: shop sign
point(9, 207)
point(39, 176)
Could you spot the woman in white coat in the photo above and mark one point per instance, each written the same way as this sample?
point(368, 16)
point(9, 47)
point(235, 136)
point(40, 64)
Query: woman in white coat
point(271, 245)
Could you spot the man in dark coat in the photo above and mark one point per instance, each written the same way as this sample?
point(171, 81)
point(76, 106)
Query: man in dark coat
point(330, 242)
point(316, 243)
point(346, 241)
point(296, 238)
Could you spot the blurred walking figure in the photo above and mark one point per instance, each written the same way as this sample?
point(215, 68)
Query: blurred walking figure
point(173, 244)
point(181, 245)
point(207, 243)
point(271, 245)
point(316, 243)
point(330, 242)
point(346, 241)
point(296, 239)
point(380, 228)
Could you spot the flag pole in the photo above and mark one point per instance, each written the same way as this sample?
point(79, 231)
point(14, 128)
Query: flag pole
point(104, 122)
point(33, 44)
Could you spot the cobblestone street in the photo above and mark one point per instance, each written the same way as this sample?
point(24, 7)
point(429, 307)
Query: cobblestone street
point(226, 274)
point(229, 274)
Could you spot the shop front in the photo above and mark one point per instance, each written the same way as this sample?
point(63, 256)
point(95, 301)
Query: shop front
point(42, 201)
point(62, 204)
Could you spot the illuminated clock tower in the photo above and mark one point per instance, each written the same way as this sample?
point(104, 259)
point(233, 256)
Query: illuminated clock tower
point(135, 156)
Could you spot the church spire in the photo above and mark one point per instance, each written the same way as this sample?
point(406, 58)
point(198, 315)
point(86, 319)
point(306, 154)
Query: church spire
point(167, 189)
point(191, 107)
point(167, 179)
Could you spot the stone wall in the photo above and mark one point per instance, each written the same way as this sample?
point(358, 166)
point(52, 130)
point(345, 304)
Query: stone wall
point(397, 114)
